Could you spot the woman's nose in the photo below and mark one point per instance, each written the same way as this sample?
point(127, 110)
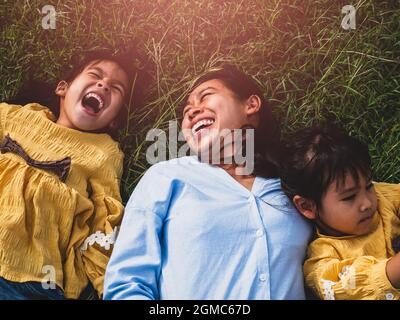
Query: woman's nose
point(194, 112)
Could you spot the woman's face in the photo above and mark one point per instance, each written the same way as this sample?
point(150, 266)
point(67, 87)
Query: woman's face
point(211, 111)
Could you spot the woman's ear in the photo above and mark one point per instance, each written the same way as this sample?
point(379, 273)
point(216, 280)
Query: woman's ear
point(61, 88)
point(306, 207)
point(253, 105)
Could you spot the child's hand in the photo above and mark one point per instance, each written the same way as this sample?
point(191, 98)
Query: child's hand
point(393, 270)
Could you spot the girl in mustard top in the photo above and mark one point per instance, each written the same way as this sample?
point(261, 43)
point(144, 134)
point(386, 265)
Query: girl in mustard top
point(60, 202)
point(328, 176)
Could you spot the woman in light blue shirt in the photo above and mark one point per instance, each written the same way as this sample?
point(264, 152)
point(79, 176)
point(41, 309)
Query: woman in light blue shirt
point(197, 229)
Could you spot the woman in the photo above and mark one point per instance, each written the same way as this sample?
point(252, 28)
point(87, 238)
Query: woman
point(200, 229)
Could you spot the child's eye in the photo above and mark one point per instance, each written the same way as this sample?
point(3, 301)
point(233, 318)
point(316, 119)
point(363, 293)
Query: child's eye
point(370, 186)
point(119, 89)
point(94, 74)
point(349, 198)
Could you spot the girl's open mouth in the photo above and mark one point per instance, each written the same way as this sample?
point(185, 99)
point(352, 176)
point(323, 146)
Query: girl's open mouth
point(92, 103)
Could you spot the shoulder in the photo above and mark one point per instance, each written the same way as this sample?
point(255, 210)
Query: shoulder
point(387, 190)
point(388, 195)
point(325, 247)
point(6, 108)
point(174, 168)
point(28, 110)
point(110, 155)
point(166, 176)
point(271, 192)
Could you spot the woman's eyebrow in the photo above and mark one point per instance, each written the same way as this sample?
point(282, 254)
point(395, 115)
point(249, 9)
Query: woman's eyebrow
point(199, 94)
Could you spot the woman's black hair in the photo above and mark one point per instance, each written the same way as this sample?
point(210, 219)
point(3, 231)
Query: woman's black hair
point(317, 156)
point(267, 134)
point(44, 93)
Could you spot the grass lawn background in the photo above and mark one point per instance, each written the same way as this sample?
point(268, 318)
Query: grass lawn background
point(308, 66)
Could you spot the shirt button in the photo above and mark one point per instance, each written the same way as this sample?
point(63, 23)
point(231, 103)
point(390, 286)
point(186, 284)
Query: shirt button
point(263, 277)
point(389, 296)
point(259, 233)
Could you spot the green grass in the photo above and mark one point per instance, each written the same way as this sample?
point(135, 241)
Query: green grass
point(310, 69)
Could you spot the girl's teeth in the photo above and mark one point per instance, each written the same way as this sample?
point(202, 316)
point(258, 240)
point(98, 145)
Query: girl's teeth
point(101, 103)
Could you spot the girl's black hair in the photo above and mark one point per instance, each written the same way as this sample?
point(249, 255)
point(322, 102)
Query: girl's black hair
point(44, 93)
point(317, 156)
point(267, 134)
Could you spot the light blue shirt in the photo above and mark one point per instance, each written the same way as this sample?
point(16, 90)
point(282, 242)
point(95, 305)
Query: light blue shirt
point(190, 231)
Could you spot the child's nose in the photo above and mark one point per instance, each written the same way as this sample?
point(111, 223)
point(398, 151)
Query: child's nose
point(104, 85)
point(366, 205)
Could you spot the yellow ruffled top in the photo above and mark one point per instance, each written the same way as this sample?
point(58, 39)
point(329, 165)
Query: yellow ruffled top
point(52, 230)
point(354, 267)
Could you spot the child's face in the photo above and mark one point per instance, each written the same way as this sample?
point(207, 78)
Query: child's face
point(93, 100)
point(349, 208)
point(214, 107)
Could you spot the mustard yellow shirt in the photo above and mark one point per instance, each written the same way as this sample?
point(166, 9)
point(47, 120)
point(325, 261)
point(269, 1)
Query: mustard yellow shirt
point(354, 267)
point(50, 228)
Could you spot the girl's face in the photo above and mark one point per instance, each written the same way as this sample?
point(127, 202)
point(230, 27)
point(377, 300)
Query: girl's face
point(211, 108)
point(349, 208)
point(93, 100)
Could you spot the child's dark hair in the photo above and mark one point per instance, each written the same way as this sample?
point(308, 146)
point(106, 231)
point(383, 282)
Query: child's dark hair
point(317, 156)
point(267, 134)
point(44, 94)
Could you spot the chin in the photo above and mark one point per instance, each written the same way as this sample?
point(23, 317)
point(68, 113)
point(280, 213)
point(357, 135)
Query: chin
point(84, 127)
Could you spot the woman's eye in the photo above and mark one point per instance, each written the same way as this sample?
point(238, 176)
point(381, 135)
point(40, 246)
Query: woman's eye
point(205, 95)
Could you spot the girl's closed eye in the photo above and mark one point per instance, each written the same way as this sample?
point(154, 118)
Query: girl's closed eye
point(94, 74)
point(350, 198)
point(119, 89)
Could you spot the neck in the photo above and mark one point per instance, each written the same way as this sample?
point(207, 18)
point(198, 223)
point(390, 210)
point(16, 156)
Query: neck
point(234, 171)
point(328, 231)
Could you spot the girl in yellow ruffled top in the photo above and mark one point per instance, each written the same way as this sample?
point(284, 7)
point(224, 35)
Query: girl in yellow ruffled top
point(60, 203)
point(355, 255)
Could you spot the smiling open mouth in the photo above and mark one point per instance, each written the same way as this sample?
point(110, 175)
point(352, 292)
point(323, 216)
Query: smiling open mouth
point(92, 102)
point(202, 125)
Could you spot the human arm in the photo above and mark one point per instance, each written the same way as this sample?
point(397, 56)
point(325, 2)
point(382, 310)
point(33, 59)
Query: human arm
point(393, 270)
point(332, 277)
point(104, 222)
point(390, 192)
point(5, 109)
point(135, 265)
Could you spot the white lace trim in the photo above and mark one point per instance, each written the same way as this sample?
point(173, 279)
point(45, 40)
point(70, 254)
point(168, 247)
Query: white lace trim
point(103, 240)
point(348, 277)
point(328, 291)
point(345, 272)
